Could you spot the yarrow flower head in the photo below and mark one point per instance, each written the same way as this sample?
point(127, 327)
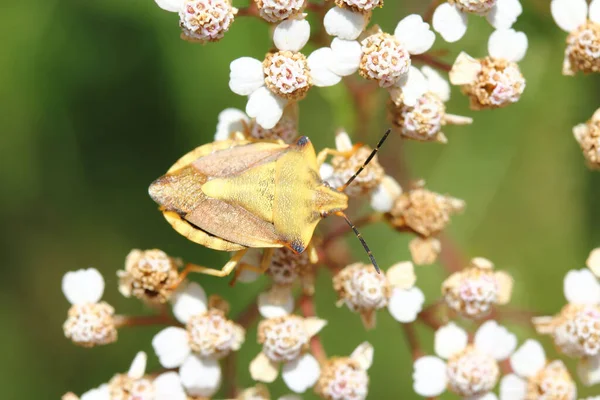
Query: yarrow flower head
point(450, 18)
point(90, 321)
point(576, 329)
point(201, 20)
point(285, 340)
point(470, 370)
point(279, 10)
point(149, 275)
point(536, 378)
point(207, 337)
point(495, 81)
point(261, 392)
point(346, 378)
point(588, 137)
point(583, 25)
point(473, 291)
point(284, 76)
point(233, 122)
point(364, 291)
point(425, 214)
point(424, 120)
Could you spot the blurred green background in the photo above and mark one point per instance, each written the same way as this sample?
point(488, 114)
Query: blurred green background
point(101, 97)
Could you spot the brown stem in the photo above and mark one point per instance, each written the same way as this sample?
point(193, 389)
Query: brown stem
point(230, 372)
point(250, 11)
point(514, 315)
point(428, 14)
point(307, 307)
point(361, 93)
point(144, 320)
point(430, 315)
point(413, 340)
point(450, 256)
point(432, 61)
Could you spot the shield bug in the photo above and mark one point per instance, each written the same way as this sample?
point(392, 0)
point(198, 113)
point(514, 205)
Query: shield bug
point(232, 195)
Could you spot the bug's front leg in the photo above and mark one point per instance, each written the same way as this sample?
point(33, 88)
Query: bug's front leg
point(265, 263)
point(323, 154)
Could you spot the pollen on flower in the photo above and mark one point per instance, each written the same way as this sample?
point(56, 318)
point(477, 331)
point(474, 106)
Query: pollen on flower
point(149, 275)
point(212, 335)
point(552, 382)
point(369, 178)
point(283, 338)
point(422, 211)
point(342, 379)
point(384, 59)
point(361, 288)
point(359, 5)
point(287, 74)
point(286, 129)
point(91, 324)
point(286, 266)
point(423, 121)
point(577, 330)
point(583, 50)
point(278, 10)
point(499, 84)
point(480, 7)
point(472, 373)
point(206, 20)
point(124, 387)
point(258, 392)
point(588, 137)
point(69, 396)
point(471, 292)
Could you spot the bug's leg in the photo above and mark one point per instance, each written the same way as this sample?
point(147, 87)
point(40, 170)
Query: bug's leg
point(323, 154)
point(265, 262)
point(264, 265)
point(313, 256)
point(226, 270)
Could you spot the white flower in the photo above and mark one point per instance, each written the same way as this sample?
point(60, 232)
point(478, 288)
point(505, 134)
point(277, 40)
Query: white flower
point(283, 77)
point(583, 24)
point(365, 291)
point(278, 10)
point(495, 81)
point(233, 122)
point(202, 20)
point(285, 339)
point(450, 19)
point(581, 287)
point(471, 371)
point(534, 377)
point(344, 23)
point(90, 321)
point(208, 336)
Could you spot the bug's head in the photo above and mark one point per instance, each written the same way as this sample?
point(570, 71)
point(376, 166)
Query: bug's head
point(329, 200)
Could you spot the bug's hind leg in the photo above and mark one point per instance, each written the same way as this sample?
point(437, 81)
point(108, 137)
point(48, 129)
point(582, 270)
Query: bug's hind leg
point(223, 272)
point(265, 263)
point(323, 154)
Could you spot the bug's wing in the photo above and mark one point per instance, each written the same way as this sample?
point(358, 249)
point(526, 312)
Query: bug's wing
point(234, 224)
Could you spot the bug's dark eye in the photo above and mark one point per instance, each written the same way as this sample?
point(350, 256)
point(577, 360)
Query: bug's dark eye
point(324, 214)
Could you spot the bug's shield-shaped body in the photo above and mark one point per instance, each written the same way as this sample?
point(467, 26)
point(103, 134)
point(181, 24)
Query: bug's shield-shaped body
point(231, 195)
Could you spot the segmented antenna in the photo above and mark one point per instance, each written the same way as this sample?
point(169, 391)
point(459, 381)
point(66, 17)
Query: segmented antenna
point(367, 161)
point(362, 241)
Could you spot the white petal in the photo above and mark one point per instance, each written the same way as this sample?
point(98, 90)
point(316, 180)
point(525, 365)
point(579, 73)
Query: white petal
point(383, 197)
point(581, 287)
point(301, 374)
point(363, 354)
point(588, 370)
point(100, 393)
point(449, 340)
point(401, 275)
point(266, 107)
point(344, 23)
point(246, 75)
point(449, 22)
point(168, 386)
point(270, 309)
point(429, 376)
point(170, 5)
point(507, 44)
point(290, 397)
point(314, 325)
point(505, 13)
point(326, 171)
point(569, 14)
point(513, 388)
point(262, 369)
point(83, 286)
point(200, 376)
point(343, 141)
point(291, 34)
point(488, 396)
point(413, 85)
point(415, 34)
point(345, 56)
point(248, 276)
point(171, 346)
point(189, 301)
point(319, 62)
point(405, 305)
point(593, 261)
point(436, 83)
point(230, 120)
point(529, 359)
point(495, 340)
point(595, 11)
point(138, 366)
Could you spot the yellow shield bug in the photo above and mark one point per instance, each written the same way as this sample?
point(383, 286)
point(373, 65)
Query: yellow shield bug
point(232, 195)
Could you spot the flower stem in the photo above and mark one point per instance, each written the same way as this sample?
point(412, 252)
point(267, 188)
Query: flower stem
point(428, 14)
point(144, 320)
point(432, 61)
point(412, 340)
point(307, 307)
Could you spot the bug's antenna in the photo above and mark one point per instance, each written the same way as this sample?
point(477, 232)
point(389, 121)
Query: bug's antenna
point(362, 241)
point(367, 161)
